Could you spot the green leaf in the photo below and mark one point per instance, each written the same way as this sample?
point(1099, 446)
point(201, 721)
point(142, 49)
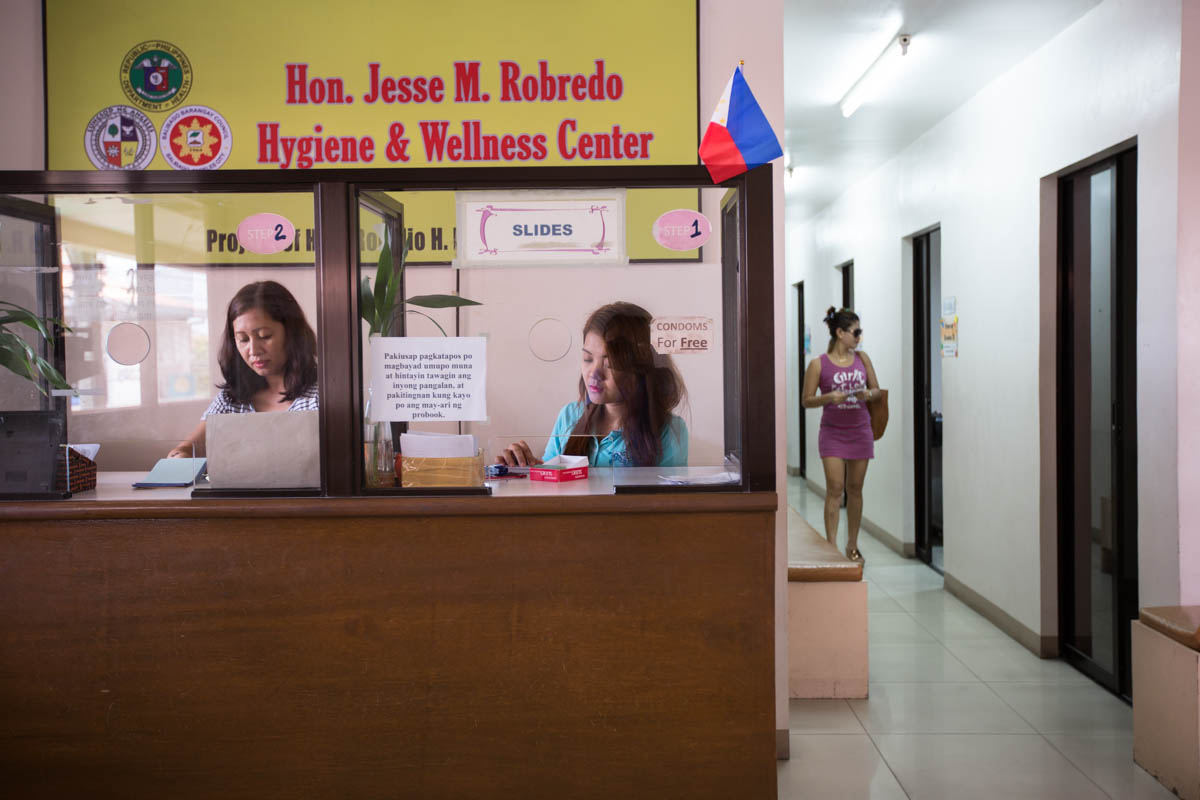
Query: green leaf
point(366, 303)
point(390, 303)
point(27, 351)
point(431, 319)
point(25, 317)
point(19, 356)
point(383, 278)
point(51, 374)
point(440, 301)
point(12, 357)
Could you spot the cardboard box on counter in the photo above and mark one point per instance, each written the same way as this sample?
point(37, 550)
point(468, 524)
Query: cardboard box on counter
point(560, 469)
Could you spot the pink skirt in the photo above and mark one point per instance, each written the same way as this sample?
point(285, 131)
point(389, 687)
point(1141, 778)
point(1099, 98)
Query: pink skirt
point(848, 443)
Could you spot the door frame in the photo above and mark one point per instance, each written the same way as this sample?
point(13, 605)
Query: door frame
point(1124, 418)
point(922, 319)
point(801, 431)
point(846, 270)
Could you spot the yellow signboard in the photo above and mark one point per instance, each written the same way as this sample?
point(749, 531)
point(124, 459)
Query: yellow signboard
point(306, 85)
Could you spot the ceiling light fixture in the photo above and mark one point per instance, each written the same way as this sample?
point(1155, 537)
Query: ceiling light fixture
point(884, 65)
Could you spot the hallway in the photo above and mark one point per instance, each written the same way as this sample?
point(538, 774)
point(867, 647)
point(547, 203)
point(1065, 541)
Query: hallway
point(957, 708)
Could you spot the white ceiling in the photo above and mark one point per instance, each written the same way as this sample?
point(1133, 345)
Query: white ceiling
point(958, 47)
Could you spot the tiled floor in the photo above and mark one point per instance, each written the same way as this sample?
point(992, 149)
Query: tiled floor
point(957, 708)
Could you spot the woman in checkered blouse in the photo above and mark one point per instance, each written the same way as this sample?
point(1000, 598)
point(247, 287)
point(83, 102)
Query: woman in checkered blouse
point(267, 357)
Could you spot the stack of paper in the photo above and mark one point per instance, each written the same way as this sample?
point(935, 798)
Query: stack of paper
point(172, 472)
point(438, 445)
point(700, 480)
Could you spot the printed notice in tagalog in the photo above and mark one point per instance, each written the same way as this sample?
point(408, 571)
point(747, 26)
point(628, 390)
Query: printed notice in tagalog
point(428, 379)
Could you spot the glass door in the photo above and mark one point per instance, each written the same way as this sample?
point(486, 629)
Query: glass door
point(1097, 419)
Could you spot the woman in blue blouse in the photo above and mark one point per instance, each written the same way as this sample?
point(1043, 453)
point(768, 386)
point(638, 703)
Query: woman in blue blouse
point(627, 392)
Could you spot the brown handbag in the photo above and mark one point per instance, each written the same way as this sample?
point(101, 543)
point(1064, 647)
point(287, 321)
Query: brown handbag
point(878, 409)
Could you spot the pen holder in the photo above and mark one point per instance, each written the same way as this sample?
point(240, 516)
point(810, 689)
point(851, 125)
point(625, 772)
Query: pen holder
point(432, 472)
point(380, 461)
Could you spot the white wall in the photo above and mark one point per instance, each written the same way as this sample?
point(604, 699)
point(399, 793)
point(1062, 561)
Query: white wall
point(1189, 308)
point(22, 126)
point(1112, 75)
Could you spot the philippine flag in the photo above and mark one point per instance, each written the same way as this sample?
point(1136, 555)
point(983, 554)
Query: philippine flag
point(739, 137)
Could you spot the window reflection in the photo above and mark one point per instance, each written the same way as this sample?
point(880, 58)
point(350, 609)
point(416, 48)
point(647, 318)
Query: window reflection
point(99, 292)
point(181, 325)
point(162, 267)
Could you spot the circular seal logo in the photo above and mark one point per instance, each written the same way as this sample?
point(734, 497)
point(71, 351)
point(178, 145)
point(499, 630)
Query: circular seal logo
point(196, 137)
point(120, 137)
point(156, 76)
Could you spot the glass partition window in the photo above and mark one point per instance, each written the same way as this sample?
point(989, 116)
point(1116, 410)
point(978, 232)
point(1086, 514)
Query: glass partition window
point(150, 338)
point(543, 326)
point(183, 320)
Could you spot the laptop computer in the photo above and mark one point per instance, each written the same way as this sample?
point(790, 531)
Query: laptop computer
point(279, 450)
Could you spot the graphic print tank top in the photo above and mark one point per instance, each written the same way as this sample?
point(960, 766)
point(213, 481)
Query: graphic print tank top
point(853, 412)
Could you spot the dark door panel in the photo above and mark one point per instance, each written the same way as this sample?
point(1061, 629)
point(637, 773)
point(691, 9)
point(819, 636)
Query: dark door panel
point(1097, 418)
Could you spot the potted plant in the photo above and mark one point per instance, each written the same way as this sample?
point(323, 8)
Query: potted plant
point(30, 440)
point(380, 307)
point(19, 356)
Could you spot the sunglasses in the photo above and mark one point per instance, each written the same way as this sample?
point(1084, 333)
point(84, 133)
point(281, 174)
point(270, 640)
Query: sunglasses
point(857, 332)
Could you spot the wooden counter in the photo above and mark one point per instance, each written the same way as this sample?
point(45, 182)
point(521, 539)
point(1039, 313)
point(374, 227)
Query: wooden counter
point(525, 646)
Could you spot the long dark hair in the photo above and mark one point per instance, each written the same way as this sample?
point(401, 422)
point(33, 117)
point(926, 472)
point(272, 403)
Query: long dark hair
point(300, 343)
point(838, 320)
point(649, 384)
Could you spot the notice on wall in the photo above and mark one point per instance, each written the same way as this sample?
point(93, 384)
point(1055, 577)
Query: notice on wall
point(807, 339)
point(428, 378)
point(682, 335)
point(950, 337)
point(562, 227)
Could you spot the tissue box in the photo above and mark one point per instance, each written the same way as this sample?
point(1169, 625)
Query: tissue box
point(560, 469)
point(432, 472)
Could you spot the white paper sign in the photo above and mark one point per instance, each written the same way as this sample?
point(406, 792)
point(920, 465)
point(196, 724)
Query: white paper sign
point(541, 227)
point(428, 378)
point(949, 306)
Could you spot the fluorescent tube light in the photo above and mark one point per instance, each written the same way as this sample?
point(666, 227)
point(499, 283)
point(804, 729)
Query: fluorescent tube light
point(871, 81)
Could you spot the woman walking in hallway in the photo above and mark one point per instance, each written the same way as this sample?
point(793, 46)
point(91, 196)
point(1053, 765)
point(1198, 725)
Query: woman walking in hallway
point(846, 379)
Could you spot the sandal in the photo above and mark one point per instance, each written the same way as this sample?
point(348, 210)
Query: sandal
point(853, 554)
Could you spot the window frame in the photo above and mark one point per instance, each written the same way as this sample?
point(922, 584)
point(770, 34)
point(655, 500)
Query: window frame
point(335, 193)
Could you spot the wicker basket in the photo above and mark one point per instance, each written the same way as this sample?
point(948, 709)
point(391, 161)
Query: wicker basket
point(82, 471)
